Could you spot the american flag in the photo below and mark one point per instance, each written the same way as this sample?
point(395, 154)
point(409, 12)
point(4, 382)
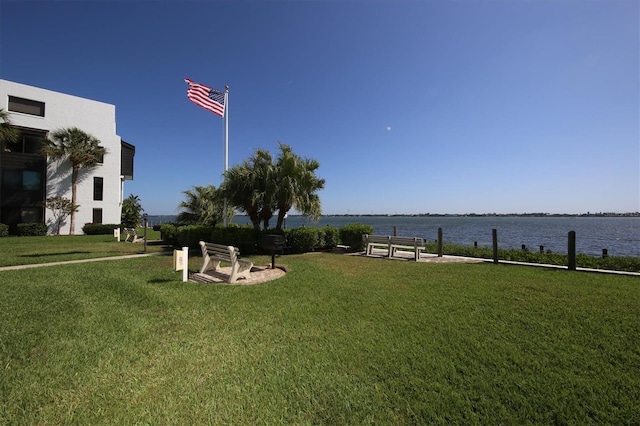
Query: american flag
point(206, 97)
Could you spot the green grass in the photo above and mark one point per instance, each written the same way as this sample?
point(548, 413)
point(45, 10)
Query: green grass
point(337, 340)
point(30, 250)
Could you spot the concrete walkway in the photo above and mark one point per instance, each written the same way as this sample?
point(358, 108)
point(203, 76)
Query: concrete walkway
point(433, 258)
point(69, 262)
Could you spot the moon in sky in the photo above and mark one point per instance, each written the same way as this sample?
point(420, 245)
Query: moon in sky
point(388, 128)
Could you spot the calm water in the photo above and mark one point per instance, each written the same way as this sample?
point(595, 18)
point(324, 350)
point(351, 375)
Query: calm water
point(619, 235)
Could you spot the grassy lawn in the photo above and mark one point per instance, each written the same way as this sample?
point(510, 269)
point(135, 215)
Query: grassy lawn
point(29, 250)
point(338, 340)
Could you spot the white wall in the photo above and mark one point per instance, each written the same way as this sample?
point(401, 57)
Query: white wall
point(95, 118)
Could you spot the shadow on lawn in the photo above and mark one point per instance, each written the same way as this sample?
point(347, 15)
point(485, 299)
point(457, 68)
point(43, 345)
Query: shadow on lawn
point(160, 281)
point(54, 254)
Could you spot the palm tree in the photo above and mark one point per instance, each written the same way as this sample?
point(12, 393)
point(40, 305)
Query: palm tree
point(8, 133)
point(131, 211)
point(259, 186)
point(82, 150)
point(250, 187)
point(297, 185)
point(203, 206)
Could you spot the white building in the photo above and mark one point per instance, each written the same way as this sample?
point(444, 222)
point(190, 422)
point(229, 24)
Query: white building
point(26, 180)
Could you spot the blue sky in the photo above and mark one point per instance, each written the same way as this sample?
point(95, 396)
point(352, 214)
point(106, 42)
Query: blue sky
point(410, 107)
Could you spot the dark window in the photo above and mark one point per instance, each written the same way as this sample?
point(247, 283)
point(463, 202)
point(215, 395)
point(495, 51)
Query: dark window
point(12, 180)
point(98, 185)
point(21, 180)
point(127, 153)
point(26, 106)
point(28, 142)
point(30, 180)
point(97, 215)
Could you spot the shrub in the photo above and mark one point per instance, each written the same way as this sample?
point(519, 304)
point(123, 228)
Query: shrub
point(4, 230)
point(303, 239)
point(168, 232)
point(32, 229)
point(241, 236)
point(191, 235)
point(99, 228)
point(351, 235)
point(331, 237)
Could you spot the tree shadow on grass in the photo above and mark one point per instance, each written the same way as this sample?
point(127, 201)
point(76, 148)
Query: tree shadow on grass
point(160, 281)
point(54, 254)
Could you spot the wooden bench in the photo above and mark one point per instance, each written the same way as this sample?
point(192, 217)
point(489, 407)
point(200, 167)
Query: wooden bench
point(213, 254)
point(392, 244)
point(132, 236)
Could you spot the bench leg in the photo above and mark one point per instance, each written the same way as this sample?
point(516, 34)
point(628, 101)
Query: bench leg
point(240, 270)
point(208, 261)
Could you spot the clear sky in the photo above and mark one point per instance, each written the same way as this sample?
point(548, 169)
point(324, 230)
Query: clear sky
point(409, 106)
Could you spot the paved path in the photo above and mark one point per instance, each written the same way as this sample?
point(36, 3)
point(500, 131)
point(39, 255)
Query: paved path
point(433, 258)
point(68, 262)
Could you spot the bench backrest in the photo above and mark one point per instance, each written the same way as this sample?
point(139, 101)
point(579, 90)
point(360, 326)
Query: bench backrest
point(388, 239)
point(219, 251)
point(377, 239)
point(407, 240)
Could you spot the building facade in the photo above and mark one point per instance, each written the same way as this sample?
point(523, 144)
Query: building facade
point(27, 178)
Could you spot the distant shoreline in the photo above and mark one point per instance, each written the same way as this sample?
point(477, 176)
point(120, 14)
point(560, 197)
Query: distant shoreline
point(630, 214)
point(604, 214)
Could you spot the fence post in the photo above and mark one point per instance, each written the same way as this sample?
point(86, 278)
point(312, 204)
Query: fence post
point(571, 251)
point(495, 245)
point(145, 232)
point(440, 244)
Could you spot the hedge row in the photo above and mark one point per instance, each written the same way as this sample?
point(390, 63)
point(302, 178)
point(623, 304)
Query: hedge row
point(31, 229)
point(299, 240)
point(100, 228)
point(25, 230)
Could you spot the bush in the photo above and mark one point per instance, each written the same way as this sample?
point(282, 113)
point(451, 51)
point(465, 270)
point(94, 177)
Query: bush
point(303, 239)
point(191, 235)
point(331, 237)
point(99, 228)
point(4, 230)
point(168, 232)
point(243, 236)
point(32, 229)
point(351, 235)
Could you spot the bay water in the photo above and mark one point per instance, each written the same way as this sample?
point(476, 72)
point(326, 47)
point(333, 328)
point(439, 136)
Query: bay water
point(620, 236)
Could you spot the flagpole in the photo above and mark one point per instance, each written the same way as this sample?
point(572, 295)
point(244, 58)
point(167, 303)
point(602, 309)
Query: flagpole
point(226, 145)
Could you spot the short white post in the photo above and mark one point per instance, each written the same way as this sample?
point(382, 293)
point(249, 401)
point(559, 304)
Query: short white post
point(185, 269)
point(116, 233)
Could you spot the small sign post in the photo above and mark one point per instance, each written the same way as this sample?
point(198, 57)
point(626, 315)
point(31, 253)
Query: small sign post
point(181, 262)
point(116, 234)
